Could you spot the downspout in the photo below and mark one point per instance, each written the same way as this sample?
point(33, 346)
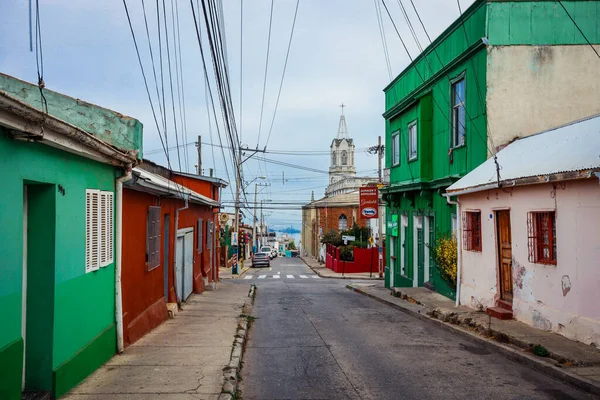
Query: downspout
point(458, 246)
point(118, 263)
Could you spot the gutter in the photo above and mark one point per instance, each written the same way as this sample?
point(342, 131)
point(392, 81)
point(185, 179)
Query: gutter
point(118, 264)
point(32, 114)
point(458, 246)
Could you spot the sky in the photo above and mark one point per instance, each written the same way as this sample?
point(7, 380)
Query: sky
point(336, 57)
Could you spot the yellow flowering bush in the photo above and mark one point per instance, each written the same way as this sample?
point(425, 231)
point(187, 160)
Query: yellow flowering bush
point(446, 255)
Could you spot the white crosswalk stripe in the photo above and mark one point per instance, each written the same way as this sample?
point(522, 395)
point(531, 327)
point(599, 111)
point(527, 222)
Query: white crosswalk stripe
point(262, 277)
point(276, 276)
point(315, 276)
point(248, 277)
point(290, 276)
point(303, 276)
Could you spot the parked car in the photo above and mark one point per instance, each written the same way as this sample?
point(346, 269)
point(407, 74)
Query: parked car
point(268, 250)
point(261, 260)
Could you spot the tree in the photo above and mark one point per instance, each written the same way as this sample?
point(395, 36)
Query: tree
point(291, 245)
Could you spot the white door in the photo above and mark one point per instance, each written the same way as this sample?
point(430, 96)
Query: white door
point(179, 267)
point(188, 264)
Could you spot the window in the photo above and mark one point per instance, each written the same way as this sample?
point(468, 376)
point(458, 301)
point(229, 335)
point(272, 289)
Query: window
point(458, 113)
point(412, 141)
point(333, 160)
point(342, 223)
point(200, 231)
point(153, 238)
point(396, 148)
point(541, 227)
point(344, 158)
point(471, 228)
point(99, 229)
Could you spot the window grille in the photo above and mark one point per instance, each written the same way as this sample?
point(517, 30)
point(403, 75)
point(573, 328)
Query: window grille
point(471, 227)
point(541, 229)
point(342, 223)
point(153, 238)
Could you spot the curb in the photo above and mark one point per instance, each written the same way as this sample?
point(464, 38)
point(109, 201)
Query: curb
point(511, 353)
point(339, 277)
point(231, 372)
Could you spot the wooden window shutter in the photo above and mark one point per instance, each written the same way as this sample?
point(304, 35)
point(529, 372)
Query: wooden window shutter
point(106, 228)
point(200, 235)
point(209, 235)
point(92, 230)
point(532, 235)
point(466, 230)
point(153, 238)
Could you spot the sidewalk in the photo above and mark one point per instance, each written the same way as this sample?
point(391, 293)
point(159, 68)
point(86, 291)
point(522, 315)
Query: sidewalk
point(324, 272)
point(184, 358)
point(225, 273)
point(570, 361)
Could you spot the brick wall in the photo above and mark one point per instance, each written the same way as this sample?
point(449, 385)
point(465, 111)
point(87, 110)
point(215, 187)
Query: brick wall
point(328, 218)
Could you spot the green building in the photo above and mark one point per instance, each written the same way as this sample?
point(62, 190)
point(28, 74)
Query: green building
point(58, 217)
point(503, 70)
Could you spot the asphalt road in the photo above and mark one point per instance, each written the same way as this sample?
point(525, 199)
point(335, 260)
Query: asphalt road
point(315, 339)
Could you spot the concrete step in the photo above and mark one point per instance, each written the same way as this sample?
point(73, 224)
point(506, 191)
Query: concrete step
point(507, 305)
point(499, 313)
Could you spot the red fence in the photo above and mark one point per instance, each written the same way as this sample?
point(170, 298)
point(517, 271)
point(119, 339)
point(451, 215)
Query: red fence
point(365, 260)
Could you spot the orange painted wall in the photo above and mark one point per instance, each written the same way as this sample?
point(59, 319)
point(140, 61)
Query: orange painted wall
point(144, 305)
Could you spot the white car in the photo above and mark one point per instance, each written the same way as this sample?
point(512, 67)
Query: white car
point(268, 250)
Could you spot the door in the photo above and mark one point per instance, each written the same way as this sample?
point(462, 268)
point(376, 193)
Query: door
point(420, 255)
point(504, 254)
point(429, 243)
point(184, 263)
point(166, 256)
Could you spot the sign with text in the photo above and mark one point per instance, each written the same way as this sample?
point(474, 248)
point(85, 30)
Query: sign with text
point(369, 206)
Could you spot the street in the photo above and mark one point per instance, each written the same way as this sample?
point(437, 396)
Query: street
point(315, 339)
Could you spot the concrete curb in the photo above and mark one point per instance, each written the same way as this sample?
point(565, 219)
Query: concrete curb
point(507, 351)
point(339, 277)
point(232, 370)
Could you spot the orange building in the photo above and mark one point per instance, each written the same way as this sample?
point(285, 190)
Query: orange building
point(170, 246)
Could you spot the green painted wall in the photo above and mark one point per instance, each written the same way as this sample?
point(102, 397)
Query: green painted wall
point(542, 22)
point(11, 365)
point(110, 126)
point(83, 303)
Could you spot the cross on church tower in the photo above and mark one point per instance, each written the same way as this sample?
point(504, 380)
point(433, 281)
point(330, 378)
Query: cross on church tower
point(343, 105)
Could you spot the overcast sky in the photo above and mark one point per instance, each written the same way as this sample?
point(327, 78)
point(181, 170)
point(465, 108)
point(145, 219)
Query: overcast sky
point(336, 56)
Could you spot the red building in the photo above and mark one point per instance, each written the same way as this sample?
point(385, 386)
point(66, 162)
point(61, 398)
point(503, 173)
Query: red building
point(169, 243)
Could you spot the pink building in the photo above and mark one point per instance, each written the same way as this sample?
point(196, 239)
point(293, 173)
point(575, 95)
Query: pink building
point(529, 243)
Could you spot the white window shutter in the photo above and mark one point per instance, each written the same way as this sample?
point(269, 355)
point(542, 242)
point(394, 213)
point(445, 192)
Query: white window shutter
point(107, 228)
point(92, 230)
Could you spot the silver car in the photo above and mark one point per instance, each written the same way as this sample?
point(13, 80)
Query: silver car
point(261, 260)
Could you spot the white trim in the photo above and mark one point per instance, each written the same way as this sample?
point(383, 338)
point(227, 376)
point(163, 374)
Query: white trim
point(183, 231)
point(426, 243)
point(416, 218)
point(403, 224)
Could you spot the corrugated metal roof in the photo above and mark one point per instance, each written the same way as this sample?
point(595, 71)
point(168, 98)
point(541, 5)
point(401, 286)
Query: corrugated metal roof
point(568, 148)
point(157, 183)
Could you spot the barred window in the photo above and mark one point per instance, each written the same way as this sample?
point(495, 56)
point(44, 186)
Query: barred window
point(153, 238)
point(541, 228)
point(471, 227)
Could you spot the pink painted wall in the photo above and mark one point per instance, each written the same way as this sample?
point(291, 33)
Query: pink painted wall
point(562, 298)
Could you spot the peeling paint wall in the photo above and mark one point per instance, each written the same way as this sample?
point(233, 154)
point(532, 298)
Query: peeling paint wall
point(562, 298)
point(535, 88)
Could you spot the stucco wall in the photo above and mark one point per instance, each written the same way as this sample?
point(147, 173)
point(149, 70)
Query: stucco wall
point(534, 88)
point(562, 298)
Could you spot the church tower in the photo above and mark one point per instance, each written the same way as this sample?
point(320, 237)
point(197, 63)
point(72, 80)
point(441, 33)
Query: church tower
point(341, 164)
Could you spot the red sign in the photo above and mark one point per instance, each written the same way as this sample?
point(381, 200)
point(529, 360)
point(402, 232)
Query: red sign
point(369, 207)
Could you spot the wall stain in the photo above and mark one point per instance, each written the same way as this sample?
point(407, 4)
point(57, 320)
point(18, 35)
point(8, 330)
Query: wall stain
point(566, 284)
point(518, 273)
point(541, 322)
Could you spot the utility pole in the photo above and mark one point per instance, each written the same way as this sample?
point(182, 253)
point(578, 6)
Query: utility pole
point(199, 146)
point(262, 223)
point(254, 238)
point(379, 218)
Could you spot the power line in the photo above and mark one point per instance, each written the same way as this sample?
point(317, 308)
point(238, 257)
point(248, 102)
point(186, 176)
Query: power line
point(287, 55)
point(182, 113)
point(262, 107)
point(578, 28)
point(386, 53)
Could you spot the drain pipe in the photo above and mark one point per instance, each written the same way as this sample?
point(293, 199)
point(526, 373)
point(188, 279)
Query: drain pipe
point(118, 263)
point(185, 198)
point(458, 246)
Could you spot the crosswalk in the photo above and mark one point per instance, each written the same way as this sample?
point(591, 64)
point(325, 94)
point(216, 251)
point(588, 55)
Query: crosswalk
point(279, 276)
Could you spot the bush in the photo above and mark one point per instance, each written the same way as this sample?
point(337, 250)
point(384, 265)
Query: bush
point(445, 252)
point(332, 237)
point(347, 253)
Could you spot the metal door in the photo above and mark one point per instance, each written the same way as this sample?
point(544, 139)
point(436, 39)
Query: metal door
point(179, 267)
point(504, 254)
point(188, 264)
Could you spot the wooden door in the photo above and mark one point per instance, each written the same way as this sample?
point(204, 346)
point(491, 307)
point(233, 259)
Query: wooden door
point(504, 254)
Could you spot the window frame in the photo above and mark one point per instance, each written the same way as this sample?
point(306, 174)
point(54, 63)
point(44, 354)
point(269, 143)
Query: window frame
point(200, 235)
point(471, 230)
point(535, 235)
point(333, 159)
point(153, 237)
point(99, 229)
point(454, 140)
point(395, 148)
point(412, 157)
point(344, 158)
point(339, 221)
